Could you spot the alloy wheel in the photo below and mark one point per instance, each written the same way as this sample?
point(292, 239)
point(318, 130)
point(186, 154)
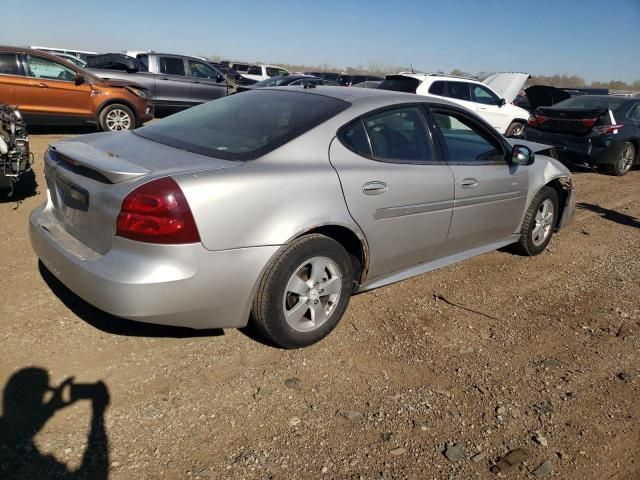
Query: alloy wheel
point(117, 120)
point(312, 294)
point(543, 222)
point(626, 159)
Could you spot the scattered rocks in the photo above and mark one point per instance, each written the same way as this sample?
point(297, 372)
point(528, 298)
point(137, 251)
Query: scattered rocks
point(293, 383)
point(480, 456)
point(350, 414)
point(545, 468)
point(455, 453)
point(398, 451)
point(293, 421)
point(540, 439)
point(324, 470)
point(624, 376)
point(501, 411)
point(514, 457)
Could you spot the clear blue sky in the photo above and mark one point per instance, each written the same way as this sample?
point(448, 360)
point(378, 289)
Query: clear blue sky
point(597, 39)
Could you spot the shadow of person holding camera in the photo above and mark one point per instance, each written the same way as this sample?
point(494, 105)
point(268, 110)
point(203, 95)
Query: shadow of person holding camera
point(25, 410)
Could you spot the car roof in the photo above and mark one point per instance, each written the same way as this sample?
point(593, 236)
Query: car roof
point(365, 95)
point(434, 76)
point(45, 54)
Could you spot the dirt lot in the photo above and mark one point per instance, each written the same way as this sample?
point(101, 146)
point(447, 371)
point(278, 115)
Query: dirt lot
point(407, 386)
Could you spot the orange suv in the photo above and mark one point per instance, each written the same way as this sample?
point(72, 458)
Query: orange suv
point(50, 90)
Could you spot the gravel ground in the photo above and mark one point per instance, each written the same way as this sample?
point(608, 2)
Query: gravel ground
point(499, 366)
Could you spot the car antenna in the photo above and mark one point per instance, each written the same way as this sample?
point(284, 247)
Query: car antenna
point(411, 64)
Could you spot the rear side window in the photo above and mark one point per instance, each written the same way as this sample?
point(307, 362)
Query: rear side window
point(172, 66)
point(144, 59)
point(400, 84)
point(459, 90)
point(245, 126)
point(634, 114)
point(437, 88)
point(397, 135)
point(254, 70)
point(467, 142)
point(9, 64)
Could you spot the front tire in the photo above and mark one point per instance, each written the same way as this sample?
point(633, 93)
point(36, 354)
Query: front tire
point(304, 292)
point(624, 162)
point(539, 222)
point(116, 117)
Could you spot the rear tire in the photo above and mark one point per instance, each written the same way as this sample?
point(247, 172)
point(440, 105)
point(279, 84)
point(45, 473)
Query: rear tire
point(116, 117)
point(539, 222)
point(624, 162)
point(304, 292)
point(515, 129)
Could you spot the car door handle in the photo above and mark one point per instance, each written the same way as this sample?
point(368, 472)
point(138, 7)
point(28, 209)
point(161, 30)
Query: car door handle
point(374, 188)
point(469, 183)
point(164, 78)
point(42, 85)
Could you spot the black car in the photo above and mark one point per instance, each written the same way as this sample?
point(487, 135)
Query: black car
point(293, 80)
point(350, 80)
point(599, 130)
point(331, 76)
point(544, 95)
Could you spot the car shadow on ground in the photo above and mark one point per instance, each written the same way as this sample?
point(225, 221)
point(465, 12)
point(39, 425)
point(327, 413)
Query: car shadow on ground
point(61, 129)
point(115, 325)
point(612, 215)
point(28, 402)
point(26, 187)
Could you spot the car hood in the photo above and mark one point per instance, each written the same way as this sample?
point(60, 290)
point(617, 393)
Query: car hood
point(545, 96)
point(507, 84)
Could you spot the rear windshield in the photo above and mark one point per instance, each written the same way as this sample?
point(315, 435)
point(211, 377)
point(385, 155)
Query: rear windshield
point(244, 126)
point(400, 84)
point(587, 101)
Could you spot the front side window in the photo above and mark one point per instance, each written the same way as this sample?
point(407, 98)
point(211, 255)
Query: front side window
point(172, 66)
point(482, 94)
point(9, 64)
point(254, 70)
point(201, 70)
point(276, 72)
point(467, 142)
point(245, 126)
point(40, 67)
point(144, 59)
point(459, 90)
point(397, 135)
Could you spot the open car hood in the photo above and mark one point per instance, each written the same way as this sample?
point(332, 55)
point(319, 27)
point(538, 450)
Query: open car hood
point(545, 96)
point(507, 84)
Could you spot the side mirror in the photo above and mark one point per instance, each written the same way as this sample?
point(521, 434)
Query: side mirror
point(502, 102)
point(79, 80)
point(219, 78)
point(521, 155)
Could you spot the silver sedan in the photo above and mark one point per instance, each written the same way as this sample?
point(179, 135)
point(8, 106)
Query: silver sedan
point(277, 205)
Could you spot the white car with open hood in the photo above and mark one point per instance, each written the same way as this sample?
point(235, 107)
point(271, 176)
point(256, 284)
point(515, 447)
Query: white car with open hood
point(491, 99)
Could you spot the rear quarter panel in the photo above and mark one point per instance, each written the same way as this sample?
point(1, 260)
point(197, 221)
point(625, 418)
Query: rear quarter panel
point(268, 201)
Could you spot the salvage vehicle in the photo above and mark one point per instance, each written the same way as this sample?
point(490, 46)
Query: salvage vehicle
point(544, 95)
point(280, 203)
point(15, 158)
point(52, 91)
point(262, 72)
point(491, 99)
point(601, 131)
point(174, 82)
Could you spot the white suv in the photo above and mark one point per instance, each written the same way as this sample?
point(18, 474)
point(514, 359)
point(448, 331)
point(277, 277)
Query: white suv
point(491, 98)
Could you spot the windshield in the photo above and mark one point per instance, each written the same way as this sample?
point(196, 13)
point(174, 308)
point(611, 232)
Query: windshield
point(588, 101)
point(400, 84)
point(244, 126)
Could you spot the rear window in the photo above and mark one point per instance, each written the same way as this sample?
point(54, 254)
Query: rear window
point(400, 84)
point(586, 101)
point(245, 126)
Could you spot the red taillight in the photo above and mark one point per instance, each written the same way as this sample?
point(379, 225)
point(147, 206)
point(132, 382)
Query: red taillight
point(541, 119)
point(157, 212)
point(606, 129)
point(589, 122)
point(531, 121)
point(535, 120)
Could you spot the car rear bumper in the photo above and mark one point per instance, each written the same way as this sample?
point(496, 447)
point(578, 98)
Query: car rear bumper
point(180, 285)
point(592, 150)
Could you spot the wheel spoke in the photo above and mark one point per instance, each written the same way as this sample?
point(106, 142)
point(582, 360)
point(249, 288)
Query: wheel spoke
point(295, 314)
point(298, 286)
point(318, 314)
point(332, 286)
point(318, 267)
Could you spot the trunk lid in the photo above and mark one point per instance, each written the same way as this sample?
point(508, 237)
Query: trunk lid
point(544, 96)
point(89, 177)
point(572, 121)
point(507, 84)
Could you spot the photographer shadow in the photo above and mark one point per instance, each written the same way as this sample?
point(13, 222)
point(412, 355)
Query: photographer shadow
point(25, 411)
